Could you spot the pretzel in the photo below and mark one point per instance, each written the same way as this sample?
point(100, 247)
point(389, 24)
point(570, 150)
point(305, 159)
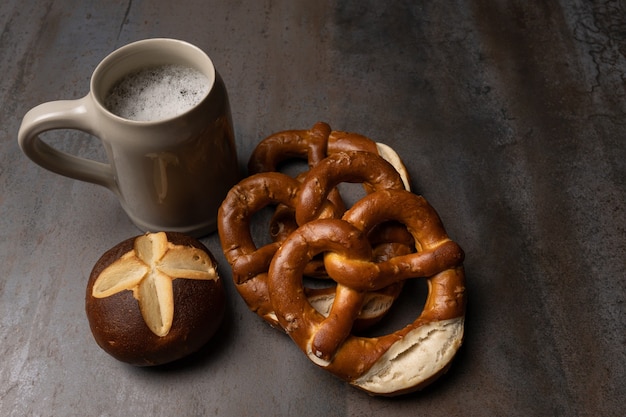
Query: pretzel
point(314, 145)
point(399, 362)
point(319, 187)
point(311, 145)
point(250, 264)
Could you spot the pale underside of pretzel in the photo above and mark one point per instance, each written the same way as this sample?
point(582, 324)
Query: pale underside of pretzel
point(399, 362)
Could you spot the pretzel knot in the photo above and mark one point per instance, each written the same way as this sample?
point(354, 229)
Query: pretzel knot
point(401, 361)
point(314, 145)
point(250, 264)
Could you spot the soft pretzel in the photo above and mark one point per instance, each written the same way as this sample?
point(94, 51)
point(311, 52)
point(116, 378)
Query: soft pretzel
point(399, 362)
point(315, 144)
point(250, 263)
point(319, 191)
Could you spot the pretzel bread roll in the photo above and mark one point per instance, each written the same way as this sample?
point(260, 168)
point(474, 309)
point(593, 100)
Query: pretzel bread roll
point(402, 361)
point(154, 298)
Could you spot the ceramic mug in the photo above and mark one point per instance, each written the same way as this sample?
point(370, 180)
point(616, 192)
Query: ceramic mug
point(170, 174)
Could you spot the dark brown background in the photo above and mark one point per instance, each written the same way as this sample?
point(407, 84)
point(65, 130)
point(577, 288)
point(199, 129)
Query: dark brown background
point(509, 114)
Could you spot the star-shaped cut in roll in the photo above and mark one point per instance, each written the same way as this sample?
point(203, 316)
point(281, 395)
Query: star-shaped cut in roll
point(148, 271)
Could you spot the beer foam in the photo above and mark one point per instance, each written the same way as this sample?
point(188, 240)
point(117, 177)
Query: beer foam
point(157, 93)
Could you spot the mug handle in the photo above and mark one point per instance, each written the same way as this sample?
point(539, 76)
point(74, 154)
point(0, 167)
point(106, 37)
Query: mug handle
point(63, 114)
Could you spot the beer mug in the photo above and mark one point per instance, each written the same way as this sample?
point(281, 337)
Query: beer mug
point(172, 162)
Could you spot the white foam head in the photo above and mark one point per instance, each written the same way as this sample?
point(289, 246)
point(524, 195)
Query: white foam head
point(157, 93)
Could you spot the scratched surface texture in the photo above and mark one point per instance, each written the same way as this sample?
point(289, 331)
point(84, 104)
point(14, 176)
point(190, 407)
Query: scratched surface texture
point(510, 116)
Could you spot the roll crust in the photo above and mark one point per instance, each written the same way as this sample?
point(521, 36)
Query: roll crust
point(119, 327)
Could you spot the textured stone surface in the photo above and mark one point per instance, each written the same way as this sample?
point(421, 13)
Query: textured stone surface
point(509, 115)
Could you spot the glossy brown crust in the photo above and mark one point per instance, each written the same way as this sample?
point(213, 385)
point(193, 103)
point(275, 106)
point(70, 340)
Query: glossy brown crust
point(119, 328)
point(265, 186)
point(235, 215)
point(348, 261)
point(250, 263)
point(351, 166)
point(283, 221)
point(311, 145)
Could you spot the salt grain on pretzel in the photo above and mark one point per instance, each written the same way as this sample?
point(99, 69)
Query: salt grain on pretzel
point(399, 362)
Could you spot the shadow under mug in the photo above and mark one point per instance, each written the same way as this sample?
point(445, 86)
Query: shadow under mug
point(169, 175)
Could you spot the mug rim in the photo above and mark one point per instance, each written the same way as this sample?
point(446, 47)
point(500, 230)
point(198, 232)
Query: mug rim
point(160, 49)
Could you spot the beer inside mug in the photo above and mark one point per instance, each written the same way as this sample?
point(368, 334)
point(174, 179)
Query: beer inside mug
point(157, 92)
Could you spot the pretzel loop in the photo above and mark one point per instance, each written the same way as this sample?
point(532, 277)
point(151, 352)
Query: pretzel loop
point(311, 145)
point(353, 166)
point(370, 363)
point(287, 289)
point(249, 263)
